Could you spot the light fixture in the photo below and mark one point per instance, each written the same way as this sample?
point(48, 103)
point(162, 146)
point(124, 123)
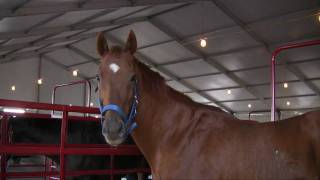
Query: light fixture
point(288, 103)
point(75, 72)
point(13, 110)
point(39, 81)
point(70, 104)
point(96, 116)
point(228, 91)
point(203, 42)
point(91, 104)
point(285, 85)
point(249, 105)
point(319, 18)
point(13, 88)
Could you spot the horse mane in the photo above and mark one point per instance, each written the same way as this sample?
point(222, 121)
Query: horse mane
point(156, 83)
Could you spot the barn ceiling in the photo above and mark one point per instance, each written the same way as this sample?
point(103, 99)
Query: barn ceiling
point(232, 71)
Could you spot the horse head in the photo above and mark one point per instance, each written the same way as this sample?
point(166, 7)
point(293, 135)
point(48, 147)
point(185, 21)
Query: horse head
point(118, 94)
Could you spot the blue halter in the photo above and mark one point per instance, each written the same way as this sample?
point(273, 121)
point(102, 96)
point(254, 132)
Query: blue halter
point(129, 121)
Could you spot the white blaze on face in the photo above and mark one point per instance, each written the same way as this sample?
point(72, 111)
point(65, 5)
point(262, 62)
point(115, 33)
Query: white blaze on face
point(114, 67)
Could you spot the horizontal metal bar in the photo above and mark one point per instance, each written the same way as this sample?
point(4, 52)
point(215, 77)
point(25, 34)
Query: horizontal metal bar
point(278, 97)
point(76, 173)
point(46, 106)
point(53, 150)
point(282, 110)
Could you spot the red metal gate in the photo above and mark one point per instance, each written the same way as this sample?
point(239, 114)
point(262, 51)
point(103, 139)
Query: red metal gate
point(64, 148)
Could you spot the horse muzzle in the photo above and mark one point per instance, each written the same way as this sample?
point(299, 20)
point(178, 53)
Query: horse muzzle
point(114, 131)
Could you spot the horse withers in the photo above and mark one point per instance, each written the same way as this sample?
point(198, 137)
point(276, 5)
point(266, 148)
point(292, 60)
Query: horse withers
point(182, 139)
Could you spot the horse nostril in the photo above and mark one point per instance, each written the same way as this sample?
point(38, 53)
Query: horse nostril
point(118, 128)
point(104, 130)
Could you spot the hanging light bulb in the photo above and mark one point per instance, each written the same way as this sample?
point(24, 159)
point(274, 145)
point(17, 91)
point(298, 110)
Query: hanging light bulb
point(229, 92)
point(288, 103)
point(75, 72)
point(285, 85)
point(249, 105)
point(39, 81)
point(13, 88)
point(203, 43)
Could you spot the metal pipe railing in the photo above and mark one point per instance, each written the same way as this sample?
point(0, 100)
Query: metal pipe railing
point(273, 68)
point(85, 82)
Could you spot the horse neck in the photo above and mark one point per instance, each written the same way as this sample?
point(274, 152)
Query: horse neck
point(163, 117)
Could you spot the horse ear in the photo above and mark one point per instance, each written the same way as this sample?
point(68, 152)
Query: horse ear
point(102, 45)
point(131, 42)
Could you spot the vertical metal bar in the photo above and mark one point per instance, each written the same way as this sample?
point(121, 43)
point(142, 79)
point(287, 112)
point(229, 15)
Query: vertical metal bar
point(50, 167)
point(45, 167)
point(273, 89)
point(63, 141)
point(250, 115)
point(112, 167)
point(4, 141)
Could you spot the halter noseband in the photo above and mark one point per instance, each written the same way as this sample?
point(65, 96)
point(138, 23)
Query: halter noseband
point(129, 121)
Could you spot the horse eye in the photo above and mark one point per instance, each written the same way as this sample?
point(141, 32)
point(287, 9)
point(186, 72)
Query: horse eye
point(133, 78)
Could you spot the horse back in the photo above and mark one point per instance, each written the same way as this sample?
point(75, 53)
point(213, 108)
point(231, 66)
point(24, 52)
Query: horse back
point(230, 148)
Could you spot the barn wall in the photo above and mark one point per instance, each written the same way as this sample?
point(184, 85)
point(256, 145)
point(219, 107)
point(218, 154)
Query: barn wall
point(22, 74)
point(53, 75)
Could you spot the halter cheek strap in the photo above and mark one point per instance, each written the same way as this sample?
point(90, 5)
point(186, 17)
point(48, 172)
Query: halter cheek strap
point(129, 120)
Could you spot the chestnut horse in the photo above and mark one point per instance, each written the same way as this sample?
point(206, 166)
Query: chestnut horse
point(182, 139)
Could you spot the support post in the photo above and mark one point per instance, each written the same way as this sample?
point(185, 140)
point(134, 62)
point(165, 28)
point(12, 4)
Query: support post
point(4, 141)
point(63, 141)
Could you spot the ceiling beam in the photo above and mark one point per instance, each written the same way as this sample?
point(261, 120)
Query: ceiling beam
point(42, 31)
point(42, 39)
point(150, 63)
point(85, 27)
point(209, 60)
point(281, 110)
point(302, 78)
point(186, 40)
point(279, 97)
point(83, 54)
point(63, 7)
point(256, 37)
point(62, 66)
